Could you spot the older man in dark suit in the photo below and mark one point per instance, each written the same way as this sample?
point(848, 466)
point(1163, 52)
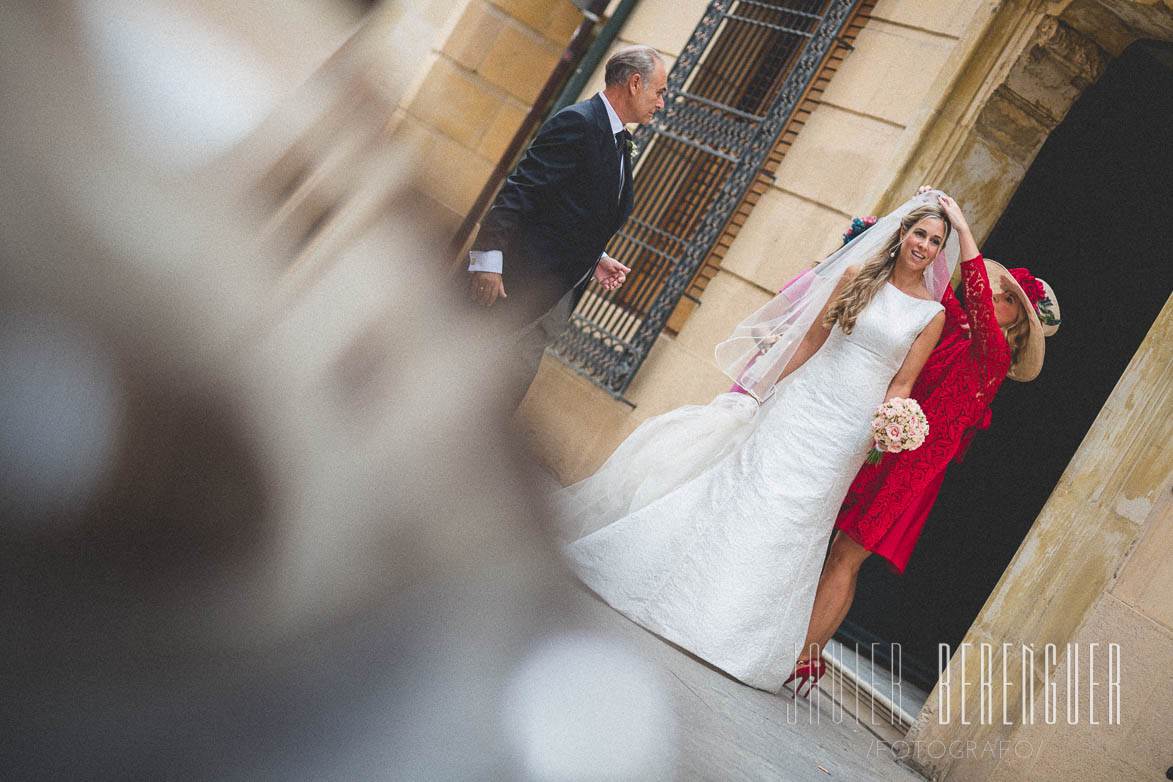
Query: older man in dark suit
point(547, 232)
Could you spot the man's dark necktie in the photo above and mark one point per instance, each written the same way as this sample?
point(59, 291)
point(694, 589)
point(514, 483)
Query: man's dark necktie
point(622, 139)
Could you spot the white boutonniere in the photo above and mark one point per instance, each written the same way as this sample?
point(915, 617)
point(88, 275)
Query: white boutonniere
point(632, 149)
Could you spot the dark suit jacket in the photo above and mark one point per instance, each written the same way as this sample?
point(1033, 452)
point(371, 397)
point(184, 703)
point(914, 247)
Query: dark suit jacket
point(557, 211)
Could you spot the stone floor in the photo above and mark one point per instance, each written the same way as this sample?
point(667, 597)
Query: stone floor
point(869, 678)
point(728, 731)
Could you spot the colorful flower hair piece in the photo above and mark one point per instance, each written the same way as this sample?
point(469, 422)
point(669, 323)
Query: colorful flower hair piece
point(858, 226)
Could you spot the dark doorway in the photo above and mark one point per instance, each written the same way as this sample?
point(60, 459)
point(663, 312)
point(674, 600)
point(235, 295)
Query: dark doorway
point(1093, 217)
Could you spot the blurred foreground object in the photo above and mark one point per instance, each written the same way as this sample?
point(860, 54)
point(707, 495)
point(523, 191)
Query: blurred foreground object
point(257, 523)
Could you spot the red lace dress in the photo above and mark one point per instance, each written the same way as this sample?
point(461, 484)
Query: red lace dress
point(887, 504)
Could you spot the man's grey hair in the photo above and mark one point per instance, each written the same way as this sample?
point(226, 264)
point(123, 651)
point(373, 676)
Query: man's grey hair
point(632, 60)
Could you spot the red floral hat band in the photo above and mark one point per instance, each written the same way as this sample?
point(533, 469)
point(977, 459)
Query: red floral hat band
point(1037, 295)
point(1030, 286)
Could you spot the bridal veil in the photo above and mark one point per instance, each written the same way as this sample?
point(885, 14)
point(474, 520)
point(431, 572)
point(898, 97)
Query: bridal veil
point(762, 344)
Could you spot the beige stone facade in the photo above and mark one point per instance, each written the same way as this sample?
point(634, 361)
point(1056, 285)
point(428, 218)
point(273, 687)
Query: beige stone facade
point(960, 94)
point(985, 84)
point(470, 96)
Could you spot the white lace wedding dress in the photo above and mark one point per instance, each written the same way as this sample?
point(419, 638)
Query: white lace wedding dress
point(709, 524)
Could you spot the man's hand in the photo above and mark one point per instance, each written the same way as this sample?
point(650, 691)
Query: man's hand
point(610, 273)
point(484, 288)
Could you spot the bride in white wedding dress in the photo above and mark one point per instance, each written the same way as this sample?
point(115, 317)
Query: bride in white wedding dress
point(709, 524)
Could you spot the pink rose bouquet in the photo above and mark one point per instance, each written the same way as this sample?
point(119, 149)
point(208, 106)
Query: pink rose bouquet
point(899, 425)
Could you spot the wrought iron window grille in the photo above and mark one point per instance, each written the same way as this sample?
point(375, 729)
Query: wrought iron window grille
point(731, 93)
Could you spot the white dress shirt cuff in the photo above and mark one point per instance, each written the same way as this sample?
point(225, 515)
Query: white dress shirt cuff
point(485, 261)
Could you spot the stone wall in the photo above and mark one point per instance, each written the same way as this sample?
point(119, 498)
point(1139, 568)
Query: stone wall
point(961, 98)
point(964, 100)
point(473, 90)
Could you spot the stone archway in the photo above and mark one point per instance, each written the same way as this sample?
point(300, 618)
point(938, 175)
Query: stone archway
point(1092, 548)
point(1033, 62)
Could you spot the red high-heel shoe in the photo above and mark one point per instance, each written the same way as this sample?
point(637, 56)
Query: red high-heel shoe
point(807, 672)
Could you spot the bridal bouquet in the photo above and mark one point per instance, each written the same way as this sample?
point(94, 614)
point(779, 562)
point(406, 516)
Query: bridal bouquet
point(899, 425)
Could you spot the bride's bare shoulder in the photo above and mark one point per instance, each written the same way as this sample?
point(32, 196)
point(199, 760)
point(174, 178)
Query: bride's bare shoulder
point(849, 274)
point(845, 279)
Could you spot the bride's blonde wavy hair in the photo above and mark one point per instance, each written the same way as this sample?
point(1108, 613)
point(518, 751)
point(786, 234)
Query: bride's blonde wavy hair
point(876, 271)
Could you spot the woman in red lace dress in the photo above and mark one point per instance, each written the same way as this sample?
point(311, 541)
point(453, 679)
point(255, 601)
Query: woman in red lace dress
point(998, 334)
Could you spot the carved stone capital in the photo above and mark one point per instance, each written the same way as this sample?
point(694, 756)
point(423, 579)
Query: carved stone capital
point(1080, 54)
point(1114, 24)
point(1054, 70)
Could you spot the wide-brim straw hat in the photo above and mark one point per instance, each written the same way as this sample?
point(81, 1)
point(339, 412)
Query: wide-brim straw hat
point(1030, 358)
